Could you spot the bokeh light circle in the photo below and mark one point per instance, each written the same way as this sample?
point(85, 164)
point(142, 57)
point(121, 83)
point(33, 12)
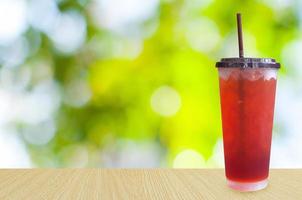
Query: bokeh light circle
point(13, 20)
point(188, 159)
point(165, 101)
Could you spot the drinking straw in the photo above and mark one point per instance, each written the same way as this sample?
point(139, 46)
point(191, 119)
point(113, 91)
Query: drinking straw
point(240, 40)
point(241, 88)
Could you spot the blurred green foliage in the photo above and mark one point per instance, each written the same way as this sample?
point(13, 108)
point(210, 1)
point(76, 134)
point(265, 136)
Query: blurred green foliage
point(122, 87)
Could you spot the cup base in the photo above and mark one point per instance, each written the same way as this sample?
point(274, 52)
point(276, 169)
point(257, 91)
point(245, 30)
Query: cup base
point(247, 187)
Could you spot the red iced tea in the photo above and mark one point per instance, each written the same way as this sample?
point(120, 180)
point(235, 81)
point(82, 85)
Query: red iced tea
point(247, 95)
point(247, 105)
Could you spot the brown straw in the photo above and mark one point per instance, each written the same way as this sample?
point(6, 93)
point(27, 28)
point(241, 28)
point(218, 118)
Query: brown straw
point(240, 40)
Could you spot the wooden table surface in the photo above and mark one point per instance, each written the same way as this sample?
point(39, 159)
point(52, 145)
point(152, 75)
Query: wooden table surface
point(139, 184)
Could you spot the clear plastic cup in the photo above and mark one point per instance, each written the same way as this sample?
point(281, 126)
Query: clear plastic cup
point(247, 96)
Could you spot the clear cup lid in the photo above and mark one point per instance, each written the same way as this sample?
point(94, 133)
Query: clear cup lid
point(248, 63)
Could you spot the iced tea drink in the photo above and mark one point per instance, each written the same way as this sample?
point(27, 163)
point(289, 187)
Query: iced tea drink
point(247, 96)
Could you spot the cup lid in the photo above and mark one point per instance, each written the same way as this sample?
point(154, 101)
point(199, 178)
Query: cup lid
point(248, 63)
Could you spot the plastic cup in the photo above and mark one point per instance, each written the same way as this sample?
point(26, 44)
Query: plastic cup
point(247, 96)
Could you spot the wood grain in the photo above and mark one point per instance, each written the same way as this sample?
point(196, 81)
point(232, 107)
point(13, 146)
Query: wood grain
point(139, 184)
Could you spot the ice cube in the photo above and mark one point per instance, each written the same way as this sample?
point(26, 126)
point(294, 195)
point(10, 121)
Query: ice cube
point(224, 73)
point(252, 74)
point(270, 74)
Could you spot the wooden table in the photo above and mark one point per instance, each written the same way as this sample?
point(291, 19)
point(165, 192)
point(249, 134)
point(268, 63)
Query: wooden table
point(139, 184)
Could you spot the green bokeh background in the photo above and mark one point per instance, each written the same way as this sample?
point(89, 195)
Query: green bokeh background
point(122, 83)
